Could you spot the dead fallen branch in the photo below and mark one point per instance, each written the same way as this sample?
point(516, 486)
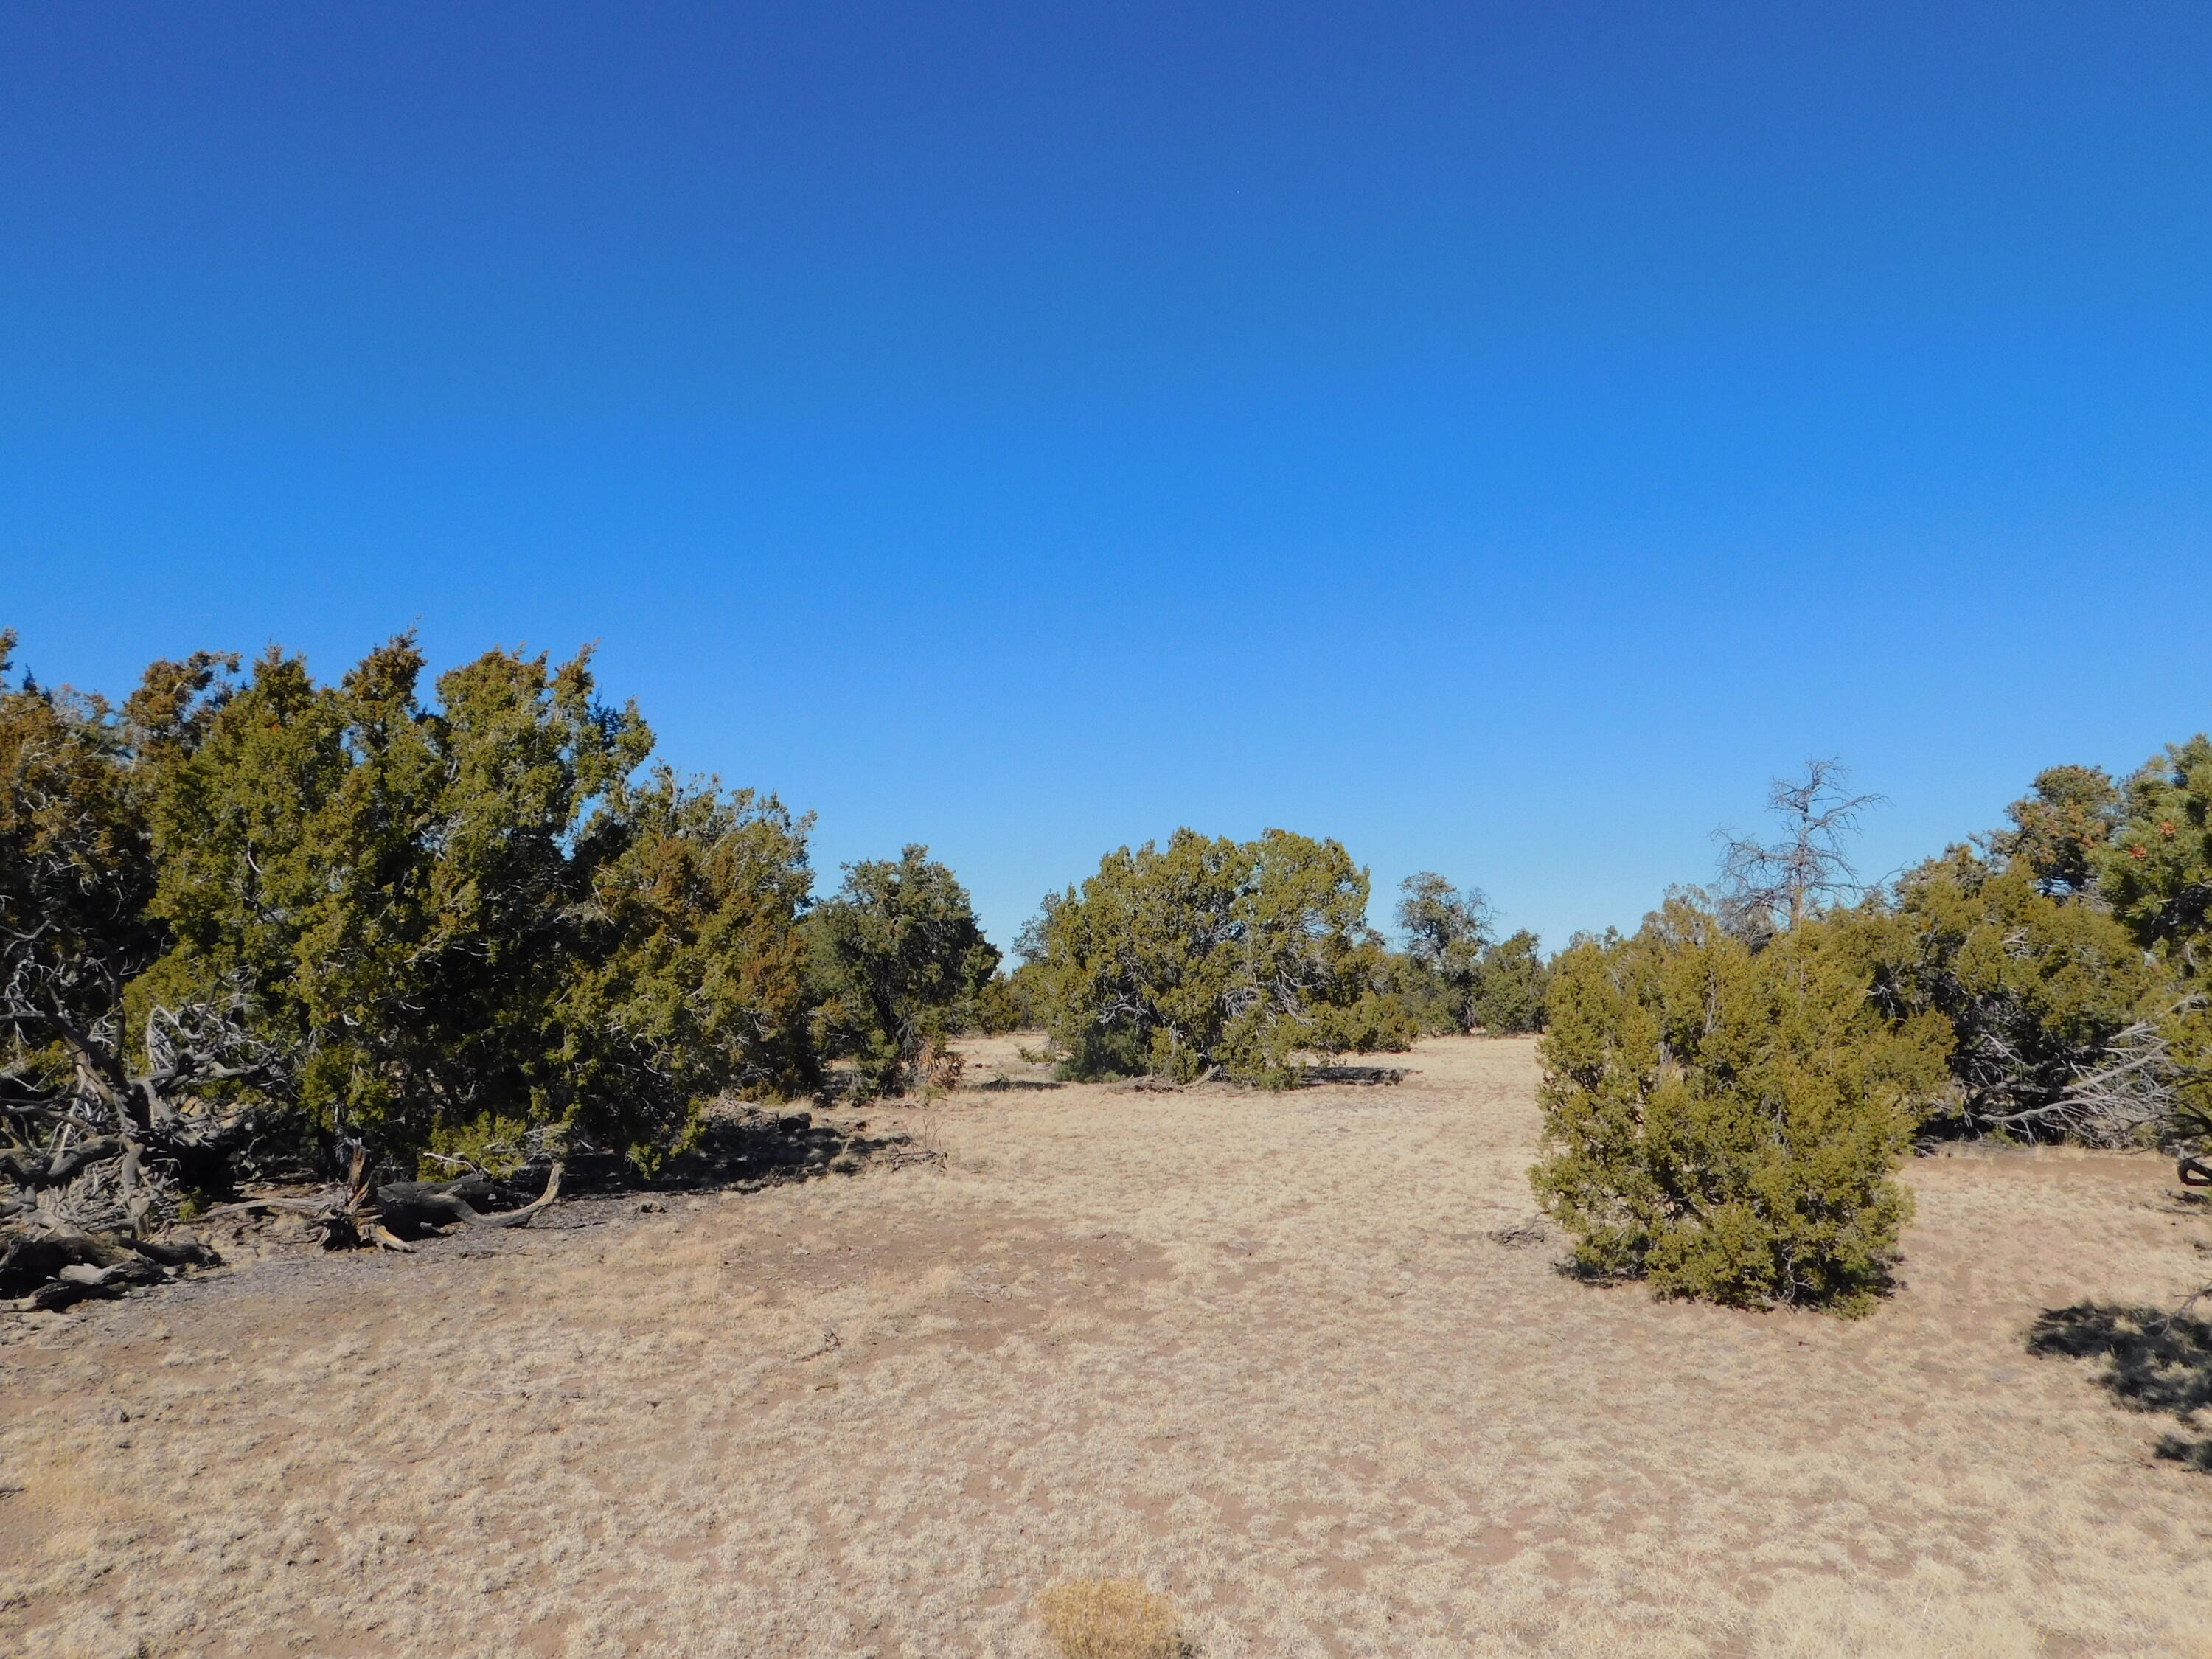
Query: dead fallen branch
point(355, 1214)
point(51, 1267)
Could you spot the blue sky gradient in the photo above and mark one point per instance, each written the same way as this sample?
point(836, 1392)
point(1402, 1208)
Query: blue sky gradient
point(1499, 436)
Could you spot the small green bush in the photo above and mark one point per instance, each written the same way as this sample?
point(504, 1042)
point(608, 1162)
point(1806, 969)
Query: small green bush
point(1009, 1002)
point(1726, 1121)
point(1245, 956)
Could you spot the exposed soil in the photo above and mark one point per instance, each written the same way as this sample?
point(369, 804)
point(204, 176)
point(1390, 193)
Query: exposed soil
point(1304, 1362)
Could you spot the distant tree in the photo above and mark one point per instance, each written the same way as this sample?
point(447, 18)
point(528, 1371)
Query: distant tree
point(901, 964)
point(1767, 887)
point(1009, 1002)
point(1727, 1122)
point(1510, 986)
point(1446, 933)
point(1214, 953)
point(2062, 827)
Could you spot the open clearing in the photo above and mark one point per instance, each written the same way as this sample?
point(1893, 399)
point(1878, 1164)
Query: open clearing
point(1262, 1352)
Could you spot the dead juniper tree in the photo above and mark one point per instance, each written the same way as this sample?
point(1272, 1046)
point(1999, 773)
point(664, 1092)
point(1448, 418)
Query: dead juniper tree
point(1768, 887)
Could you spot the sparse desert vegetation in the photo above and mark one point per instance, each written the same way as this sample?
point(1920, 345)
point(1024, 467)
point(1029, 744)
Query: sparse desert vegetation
point(1296, 1362)
point(744, 1286)
point(950, 831)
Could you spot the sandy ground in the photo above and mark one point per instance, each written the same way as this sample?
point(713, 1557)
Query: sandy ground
point(1260, 1353)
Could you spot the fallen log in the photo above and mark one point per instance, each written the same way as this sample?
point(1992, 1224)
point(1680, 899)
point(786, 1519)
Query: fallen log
point(356, 1215)
point(53, 1268)
point(421, 1204)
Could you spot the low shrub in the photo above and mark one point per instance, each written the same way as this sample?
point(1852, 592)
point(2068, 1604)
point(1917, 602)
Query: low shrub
point(1726, 1121)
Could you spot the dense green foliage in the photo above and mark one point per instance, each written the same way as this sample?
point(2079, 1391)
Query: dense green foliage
point(2036, 990)
point(1245, 956)
point(2061, 828)
point(899, 965)
point(90, 1103)
point(471, 927)
point(1511, 988)
point(1446, 933)
point(1453, 976)
point(1724, 1093)
point(337, 915)
point(1727, 1120)
point(2155, 872)
point(1011, 1002)
point(2139, 854)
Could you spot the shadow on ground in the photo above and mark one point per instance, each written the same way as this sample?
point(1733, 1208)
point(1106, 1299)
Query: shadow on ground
point(1319, 1077)
point(2156, 1360)
point(747, 1148)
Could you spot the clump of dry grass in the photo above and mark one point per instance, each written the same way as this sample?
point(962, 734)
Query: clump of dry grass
point(1108, 1619)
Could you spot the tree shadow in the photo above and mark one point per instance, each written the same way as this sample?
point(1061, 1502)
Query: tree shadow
point(745, 1148)
point(1319, 1077)
point(2155, 1360)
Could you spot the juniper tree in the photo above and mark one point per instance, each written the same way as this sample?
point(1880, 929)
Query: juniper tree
point(1726, 1122)
point(1511, 986)
point(1214, 953)
point(400, 891)
point(900, 963)
point(2054, 1011)
point(347, 921)
point(1446, 933)
point(2156, 869)
point(2061, 828)
point(2156, 873)
point(102, 1105)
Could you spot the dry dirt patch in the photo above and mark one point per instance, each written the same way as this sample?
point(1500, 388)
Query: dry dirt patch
point(1290, 1361)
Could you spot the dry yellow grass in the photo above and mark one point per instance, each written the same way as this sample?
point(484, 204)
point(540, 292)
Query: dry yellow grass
point(1263, 1354)
point(1108, 1619)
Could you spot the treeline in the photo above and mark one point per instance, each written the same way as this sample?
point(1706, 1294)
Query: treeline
point(255, 925)
point(1728, 1091)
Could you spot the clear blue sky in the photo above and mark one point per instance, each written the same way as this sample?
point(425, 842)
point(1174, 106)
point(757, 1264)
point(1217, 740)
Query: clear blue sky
point(1499, 436)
